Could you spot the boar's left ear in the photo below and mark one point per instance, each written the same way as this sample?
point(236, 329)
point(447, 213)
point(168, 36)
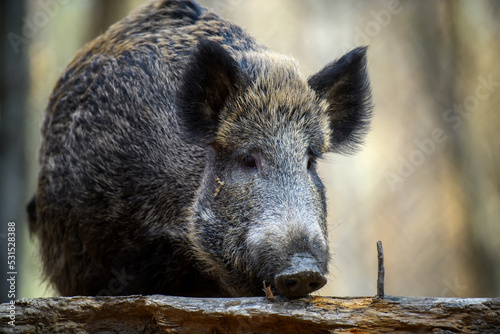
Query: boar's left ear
point(211, 77)
point(345, 85)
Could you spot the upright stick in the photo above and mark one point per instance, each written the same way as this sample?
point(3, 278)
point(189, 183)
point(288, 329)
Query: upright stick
point(381, 271)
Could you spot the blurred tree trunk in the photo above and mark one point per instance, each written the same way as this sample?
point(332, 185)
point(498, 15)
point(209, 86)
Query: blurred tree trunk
point(473, 167)
point(449, 66)
point(13, 96)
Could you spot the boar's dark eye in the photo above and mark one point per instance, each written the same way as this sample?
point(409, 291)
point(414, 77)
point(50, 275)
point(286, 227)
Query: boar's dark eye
point(310, 163)
point(250, 162)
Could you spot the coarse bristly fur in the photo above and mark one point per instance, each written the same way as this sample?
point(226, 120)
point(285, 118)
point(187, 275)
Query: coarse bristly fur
point(179, 157)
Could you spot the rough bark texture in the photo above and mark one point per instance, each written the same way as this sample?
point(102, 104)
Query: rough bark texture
point(165, 314)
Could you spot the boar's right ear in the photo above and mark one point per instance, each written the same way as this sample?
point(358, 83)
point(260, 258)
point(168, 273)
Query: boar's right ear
point(210, 78)
point(345, 86)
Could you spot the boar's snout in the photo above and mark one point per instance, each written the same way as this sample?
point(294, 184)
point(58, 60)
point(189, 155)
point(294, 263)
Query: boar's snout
point(302, 277)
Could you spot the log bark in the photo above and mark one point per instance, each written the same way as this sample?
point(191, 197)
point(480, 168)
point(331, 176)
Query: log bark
point(166, 314)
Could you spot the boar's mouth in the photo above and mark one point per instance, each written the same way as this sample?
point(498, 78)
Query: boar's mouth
point(302, 277)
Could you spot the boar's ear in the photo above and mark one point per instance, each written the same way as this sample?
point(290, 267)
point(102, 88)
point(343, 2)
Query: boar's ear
point(345, 85)
point(210, 78)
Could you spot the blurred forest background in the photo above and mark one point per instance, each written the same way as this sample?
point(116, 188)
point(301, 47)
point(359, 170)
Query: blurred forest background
point(427, 182)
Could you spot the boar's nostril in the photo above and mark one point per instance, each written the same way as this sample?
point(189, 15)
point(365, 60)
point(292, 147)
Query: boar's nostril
point(292, 284)
point(315, 286)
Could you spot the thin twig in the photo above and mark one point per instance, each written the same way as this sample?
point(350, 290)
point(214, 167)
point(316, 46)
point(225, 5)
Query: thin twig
point(381, 271)
point(268, 292)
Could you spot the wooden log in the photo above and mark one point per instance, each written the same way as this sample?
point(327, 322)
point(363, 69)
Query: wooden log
point(167, 314)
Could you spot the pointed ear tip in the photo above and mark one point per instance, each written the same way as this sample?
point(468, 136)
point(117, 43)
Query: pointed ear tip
point(360, 51)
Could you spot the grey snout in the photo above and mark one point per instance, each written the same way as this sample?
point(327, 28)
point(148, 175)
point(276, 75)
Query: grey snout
point(301, 277)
